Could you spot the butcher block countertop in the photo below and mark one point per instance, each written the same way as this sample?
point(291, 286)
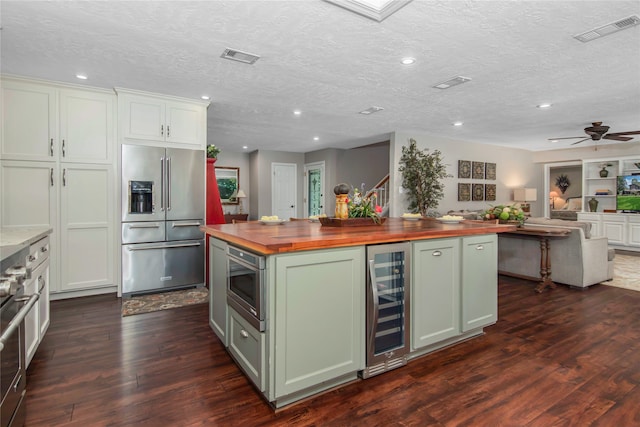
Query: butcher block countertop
point(292, 236)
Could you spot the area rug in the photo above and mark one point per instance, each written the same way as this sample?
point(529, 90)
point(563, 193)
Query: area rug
point(626, 272)
point(164, 301)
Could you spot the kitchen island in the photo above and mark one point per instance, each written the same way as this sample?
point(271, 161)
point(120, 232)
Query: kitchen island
point(314, 292)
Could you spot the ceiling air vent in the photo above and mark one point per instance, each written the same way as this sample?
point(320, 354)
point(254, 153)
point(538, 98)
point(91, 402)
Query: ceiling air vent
point(458, 80)
point(596, 33)
point(238, 55)
point(371, 110)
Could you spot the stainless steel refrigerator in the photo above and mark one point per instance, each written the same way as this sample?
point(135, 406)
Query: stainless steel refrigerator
point(162, 194)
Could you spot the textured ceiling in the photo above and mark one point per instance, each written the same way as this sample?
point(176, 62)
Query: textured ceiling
point(331, 63)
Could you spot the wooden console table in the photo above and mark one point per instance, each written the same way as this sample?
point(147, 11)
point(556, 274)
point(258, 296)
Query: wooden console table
point(544, 234)
point(238, 217)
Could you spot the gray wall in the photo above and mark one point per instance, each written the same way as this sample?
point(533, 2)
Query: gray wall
point(574, 174)
point(514, 169)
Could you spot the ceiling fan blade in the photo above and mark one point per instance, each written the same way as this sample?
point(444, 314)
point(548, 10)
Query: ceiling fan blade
point(617, 137)
point(568, 137)
point(634, 132)
point(586, 139)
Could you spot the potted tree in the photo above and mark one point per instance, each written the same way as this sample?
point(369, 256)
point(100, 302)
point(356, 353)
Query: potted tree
point(422, 175)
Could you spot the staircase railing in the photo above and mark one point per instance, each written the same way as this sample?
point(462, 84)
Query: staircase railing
point(382, 194)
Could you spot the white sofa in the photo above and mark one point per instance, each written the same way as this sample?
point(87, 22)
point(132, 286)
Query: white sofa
point(578, 260)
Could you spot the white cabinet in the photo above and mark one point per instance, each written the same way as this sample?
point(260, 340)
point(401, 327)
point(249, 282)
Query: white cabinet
point(157, 118)
point(48, 123)
point(57, 170)
point(621, 229)
point(37, 320)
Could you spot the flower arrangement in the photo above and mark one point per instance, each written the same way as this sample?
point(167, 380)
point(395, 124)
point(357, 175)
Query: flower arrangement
point(360, 206)
point(505, 213)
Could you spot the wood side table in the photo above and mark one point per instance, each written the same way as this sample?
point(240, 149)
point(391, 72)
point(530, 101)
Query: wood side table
point(544, 234)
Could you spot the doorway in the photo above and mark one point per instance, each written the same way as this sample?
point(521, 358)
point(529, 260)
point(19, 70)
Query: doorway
point(313, 200)
point(284, 190)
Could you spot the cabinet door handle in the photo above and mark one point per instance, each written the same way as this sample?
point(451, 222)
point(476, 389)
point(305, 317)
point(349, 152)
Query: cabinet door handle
point(64, 177)
point(480, 248)
point(44, 249)
point(436, 253)
point(51, 148)
point(51, 177)
point(168, 131)
point(64, 154)
point(32, 258)
point(244, 334)
point(162, 130)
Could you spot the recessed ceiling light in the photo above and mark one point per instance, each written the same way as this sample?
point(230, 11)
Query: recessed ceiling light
point(244, 147)
point(457, 123)
point(544, 106)
point(297, 112)
point(553, 140)
point(315, 138)
point(408, 61)
point(371, 110)
point(205, 97)
point(458, 80)
point(81, 76)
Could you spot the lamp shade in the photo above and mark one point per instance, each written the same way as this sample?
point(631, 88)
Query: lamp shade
point(240, 194)
point(525, 194)
point(554, 194)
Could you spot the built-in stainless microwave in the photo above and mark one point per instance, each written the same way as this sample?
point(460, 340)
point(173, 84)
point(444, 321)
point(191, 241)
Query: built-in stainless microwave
point(245, 285)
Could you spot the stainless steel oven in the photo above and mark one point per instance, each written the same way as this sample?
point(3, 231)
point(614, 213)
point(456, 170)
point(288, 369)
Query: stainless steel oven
point(245, 285)
point(14, 307)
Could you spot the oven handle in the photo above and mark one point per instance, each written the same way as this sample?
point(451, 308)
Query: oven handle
point(17, 320)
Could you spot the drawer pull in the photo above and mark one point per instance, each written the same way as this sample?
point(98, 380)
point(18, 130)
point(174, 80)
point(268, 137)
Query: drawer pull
point(44, 249)
point(480, 248)
point(436, 253)
point(244, 334)
point(32, 258)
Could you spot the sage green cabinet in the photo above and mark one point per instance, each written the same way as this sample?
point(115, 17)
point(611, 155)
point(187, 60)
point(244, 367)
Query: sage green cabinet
point(479, 281)
point(218, 288)
point(247, 347)
point(317, 316)
point(435, 313)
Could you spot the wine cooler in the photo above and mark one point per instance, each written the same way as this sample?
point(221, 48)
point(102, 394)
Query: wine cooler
point(388, 283)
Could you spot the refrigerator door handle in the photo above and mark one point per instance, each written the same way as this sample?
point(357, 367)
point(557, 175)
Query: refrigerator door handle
point(374, 294)
point(181, 245)
point(186, 224)
point(162, 183)
point(168, 183)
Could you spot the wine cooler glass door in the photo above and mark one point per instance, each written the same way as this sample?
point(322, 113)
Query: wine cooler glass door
point(388, 303)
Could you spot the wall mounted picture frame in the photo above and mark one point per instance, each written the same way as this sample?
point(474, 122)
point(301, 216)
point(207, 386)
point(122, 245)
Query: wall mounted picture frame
point(464, 192)
point(228, 179)
point(490, 171)
point(490, 192)
point(464, 169)
point(478, 192)
point(478, 170)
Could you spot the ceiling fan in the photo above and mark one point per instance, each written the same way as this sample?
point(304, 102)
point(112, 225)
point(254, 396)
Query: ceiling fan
point(598, 132)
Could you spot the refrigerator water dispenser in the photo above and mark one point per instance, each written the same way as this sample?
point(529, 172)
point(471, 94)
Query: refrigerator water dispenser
point(140, 197)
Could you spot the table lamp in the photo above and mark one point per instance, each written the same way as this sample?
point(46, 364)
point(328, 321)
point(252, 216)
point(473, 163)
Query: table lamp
point(524, 196)
point(240, 195)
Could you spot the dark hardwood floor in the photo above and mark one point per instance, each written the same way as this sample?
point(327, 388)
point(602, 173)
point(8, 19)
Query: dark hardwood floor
point(561, 358)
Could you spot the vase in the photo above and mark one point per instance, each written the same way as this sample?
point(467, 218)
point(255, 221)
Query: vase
point(604, 173)
point(593, 205)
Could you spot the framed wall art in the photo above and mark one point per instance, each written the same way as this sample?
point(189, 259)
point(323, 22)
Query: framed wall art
point(478, 170)
point(478, 192)
point(464, 169)
point(228, 184)
point(490, 171)
point(490, 192)
point(464, 192)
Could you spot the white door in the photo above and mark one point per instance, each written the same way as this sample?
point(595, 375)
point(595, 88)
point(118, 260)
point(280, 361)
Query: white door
point(86, 227)
point(313, 202)
point(283, 189)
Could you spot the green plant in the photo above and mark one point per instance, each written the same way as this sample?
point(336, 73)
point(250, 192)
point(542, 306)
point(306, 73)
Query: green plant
point(505, 213)
point(360, 206)
point(422, 175)
point(212, 151)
